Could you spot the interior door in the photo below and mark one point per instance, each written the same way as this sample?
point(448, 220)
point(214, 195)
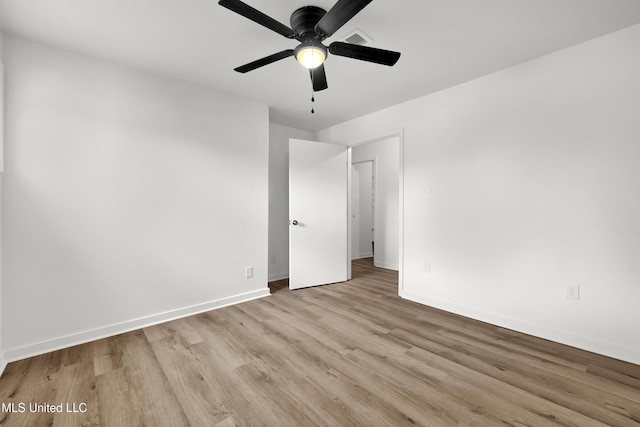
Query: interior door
point(318, 215)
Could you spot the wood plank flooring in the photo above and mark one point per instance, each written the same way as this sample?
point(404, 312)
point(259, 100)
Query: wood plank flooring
point(348, 354)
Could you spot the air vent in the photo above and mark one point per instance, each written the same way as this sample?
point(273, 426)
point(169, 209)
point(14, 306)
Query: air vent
point(358, 37)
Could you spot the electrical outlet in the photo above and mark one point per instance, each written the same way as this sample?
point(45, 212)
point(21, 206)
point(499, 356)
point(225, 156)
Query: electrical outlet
point(573, 291)
point(272, 259)
point(426, 267)
point(248, 272)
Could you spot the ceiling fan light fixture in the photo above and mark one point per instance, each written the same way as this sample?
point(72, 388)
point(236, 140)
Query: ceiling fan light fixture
point(311, 25)
point(310, 55)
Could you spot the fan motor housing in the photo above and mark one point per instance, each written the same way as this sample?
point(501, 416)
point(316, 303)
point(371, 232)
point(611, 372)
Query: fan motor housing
point(304, 20)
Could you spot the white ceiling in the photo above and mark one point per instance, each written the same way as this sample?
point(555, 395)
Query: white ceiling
point(443, 43)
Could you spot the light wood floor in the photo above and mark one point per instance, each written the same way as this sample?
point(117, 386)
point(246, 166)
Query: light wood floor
point(339, 355)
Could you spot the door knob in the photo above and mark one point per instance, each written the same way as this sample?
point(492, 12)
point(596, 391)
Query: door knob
point(294, 222)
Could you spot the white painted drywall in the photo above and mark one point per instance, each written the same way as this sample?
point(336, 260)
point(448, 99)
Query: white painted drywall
point(1, 109)
point(128, 198)
point(521, 182)
point(386, 153)
point(2, 359)
point(279, 197)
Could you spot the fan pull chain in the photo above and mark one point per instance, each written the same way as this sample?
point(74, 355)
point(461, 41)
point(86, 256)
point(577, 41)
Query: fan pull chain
point(312, 101)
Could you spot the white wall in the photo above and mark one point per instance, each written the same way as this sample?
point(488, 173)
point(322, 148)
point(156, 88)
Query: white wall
point(279, 197)
point(128, 199)
point(1, 108)
point(386, 154)
point(521, 182)
point(2, 358)
point(3, 361)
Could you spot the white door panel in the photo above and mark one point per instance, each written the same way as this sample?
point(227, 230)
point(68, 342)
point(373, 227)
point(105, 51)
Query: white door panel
point(318, 208)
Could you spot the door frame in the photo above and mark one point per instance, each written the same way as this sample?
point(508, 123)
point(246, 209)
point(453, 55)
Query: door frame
point(393, 134)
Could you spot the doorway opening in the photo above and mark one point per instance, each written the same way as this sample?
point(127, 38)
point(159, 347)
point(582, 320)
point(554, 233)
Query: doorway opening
point(375, 202)
point(320, 192)
point(363, 198)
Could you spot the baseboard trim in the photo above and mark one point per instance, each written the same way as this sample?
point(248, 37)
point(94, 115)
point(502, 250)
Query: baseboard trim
point(608, 349)
point(278, 276)
point(365, 255)
point(19, 353)
point(386, 266)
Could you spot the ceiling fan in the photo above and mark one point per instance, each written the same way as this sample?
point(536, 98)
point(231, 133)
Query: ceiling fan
point(311, 25)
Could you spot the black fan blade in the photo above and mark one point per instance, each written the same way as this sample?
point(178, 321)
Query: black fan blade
point(256, 16)
point(264, 61)
point(339, 14)
point(364, 53)
point(318, 78)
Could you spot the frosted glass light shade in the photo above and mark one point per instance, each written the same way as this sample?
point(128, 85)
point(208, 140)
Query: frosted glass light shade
point(310, 57)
